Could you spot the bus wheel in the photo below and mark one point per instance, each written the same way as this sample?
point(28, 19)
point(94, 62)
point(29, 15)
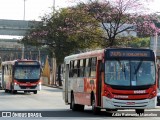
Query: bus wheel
point(35, 92)
point(6, 90)
point(25, 92)
point(80, 107)
point(13, 91)
point(73, 106)
point(139, 111)
point(95, 109)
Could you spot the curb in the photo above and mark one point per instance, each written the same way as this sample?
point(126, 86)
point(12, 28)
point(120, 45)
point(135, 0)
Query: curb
point(53, 86)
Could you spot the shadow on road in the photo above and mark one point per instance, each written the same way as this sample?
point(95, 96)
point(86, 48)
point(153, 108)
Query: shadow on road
point(85, 113)
point(3, 93)
point(51, 89)
point(70, 113)
point(89, 113)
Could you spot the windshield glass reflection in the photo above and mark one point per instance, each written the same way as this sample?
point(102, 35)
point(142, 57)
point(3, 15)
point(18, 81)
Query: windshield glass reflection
point(27, 73)
point(129, 73)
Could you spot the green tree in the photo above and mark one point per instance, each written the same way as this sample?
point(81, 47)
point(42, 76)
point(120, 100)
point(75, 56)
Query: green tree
point(140, 42)
point(55, 37)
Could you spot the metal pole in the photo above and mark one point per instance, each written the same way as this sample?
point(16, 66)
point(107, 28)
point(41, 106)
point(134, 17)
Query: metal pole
point(155, 44)
point(54, 59)
point(22, 51)
point(54, 2)
point(23, 19)
point(39, 52)
point(155, 47)
point(24, 10)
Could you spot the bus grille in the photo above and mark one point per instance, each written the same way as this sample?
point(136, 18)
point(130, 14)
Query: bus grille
point(28, 87)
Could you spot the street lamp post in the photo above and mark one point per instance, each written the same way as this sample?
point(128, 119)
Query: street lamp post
point(22, 51)
point(54, 5)
point(24, 19)
point(156, 41)
point(39, 54)
point(24, 10)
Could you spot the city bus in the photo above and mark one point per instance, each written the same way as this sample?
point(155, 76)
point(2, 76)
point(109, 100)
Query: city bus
point(111, 79)
point(21, 75)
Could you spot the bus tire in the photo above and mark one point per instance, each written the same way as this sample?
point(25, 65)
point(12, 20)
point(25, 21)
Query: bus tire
point(13, 91)
point(73, 106)
point(95, 109)
point(80, 107)
point(6, 91)
point(139, 111)
point(35, 92)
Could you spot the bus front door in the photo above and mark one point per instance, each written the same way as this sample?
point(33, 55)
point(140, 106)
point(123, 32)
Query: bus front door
point(99, 82)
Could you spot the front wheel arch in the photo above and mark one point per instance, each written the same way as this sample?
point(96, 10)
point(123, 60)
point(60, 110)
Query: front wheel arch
point(95, 109)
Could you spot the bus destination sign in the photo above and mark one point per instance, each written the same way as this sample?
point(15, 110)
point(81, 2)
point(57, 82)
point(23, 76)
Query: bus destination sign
point(123, 53)
point(28, 63)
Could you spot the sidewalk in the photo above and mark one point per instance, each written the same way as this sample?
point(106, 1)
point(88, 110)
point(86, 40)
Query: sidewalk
point(54, 86)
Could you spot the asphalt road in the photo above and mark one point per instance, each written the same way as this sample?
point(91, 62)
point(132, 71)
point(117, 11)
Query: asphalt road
point(48, 104)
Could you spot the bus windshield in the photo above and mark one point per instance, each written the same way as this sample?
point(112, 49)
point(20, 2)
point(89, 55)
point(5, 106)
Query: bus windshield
point(129, 72)
point(27, 72)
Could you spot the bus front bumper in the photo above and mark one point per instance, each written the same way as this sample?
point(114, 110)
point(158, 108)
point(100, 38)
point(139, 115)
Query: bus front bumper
point(129, 104)
point(27, 88)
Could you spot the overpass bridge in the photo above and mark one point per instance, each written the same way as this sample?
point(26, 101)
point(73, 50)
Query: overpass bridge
point(10, 49)
point(16, 27)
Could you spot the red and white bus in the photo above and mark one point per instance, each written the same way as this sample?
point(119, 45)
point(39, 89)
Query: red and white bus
point(21, 75)
point(111, 79)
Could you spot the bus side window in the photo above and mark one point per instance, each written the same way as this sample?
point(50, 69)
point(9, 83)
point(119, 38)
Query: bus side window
point(78, 68)
point(7, 73)
point(88, 67)
point(81, 68)
point(93, 67)
point(71, 69)
point(10, 69)
point(75, 73)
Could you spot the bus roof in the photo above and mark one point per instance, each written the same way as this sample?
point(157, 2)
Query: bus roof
point(98, 53)
point(13, 61)
point(95, 53)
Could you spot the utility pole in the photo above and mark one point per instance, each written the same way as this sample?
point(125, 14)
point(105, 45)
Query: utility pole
point(24, 10)
point(54, 2)
point(54, 59)
point(24, 20)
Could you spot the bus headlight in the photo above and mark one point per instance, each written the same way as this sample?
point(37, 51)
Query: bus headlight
point(108, 94)
point(152, 95)
point(15, 82)
point(39, 83)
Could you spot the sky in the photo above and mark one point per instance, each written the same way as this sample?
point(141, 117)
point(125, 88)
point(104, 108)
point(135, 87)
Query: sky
point(14, 9)
point(155, 6)
point(35, 9)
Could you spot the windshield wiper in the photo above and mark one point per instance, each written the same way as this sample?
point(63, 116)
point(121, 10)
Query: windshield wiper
point(139, 65)
point(120, 64)
point(122, 67)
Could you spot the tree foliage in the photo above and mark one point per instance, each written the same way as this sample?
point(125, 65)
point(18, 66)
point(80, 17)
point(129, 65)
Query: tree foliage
point(114, 17)
point(140, 42)
point(59, 42)
point(91, 25)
